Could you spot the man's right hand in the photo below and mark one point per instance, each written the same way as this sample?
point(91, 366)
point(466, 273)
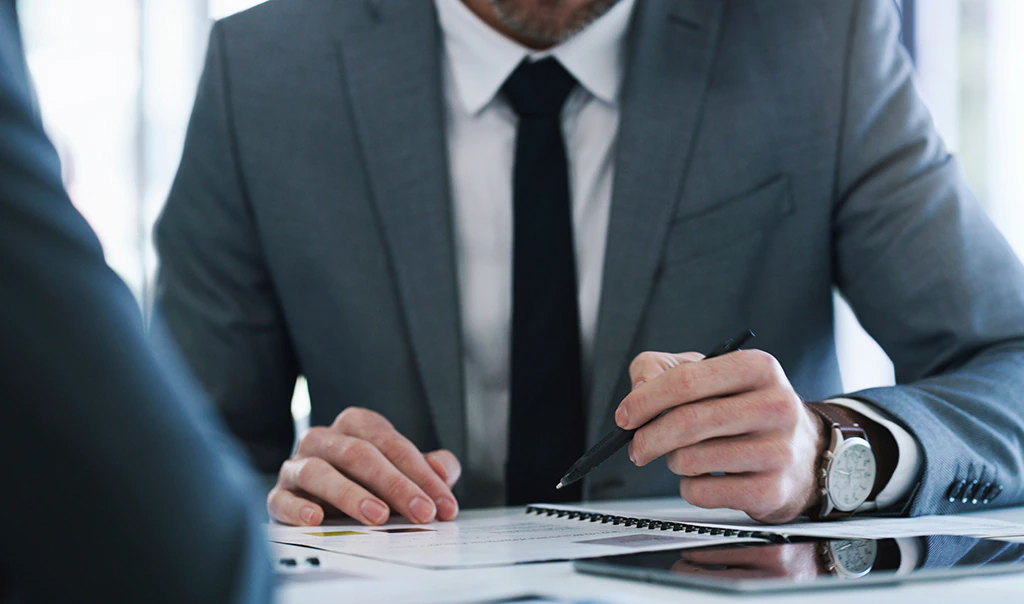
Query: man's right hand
point(362, 467)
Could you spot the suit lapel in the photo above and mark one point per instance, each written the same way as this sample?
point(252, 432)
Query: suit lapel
point(393, 74)
point(672, 51)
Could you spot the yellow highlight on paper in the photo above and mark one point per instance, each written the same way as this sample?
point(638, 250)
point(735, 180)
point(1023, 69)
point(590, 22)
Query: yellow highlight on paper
point(335, 533)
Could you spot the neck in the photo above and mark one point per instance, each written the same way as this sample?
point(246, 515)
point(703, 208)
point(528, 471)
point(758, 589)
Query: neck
point(486, 12)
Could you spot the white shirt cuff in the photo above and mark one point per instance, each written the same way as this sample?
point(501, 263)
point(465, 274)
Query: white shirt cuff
point(910, 554)
point(907, 467)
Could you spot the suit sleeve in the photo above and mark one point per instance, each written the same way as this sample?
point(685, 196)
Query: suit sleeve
point(930, 278)
point(214, 291)
point(117, 487)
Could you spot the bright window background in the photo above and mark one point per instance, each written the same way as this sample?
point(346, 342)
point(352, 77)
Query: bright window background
point(970, 58)
point(116, 79)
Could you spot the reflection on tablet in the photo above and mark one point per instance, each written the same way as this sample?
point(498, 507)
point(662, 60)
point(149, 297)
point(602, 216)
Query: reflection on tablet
point(816, 563)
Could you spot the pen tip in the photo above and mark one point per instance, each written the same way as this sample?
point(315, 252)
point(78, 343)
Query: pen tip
point(559, 486)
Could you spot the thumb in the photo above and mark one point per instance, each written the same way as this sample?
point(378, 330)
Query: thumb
point(445, 465)
point(649, 365)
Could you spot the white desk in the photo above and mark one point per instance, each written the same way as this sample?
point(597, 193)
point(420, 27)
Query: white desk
point(386, 583)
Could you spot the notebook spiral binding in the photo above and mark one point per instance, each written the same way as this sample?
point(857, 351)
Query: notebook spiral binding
point(653, 525)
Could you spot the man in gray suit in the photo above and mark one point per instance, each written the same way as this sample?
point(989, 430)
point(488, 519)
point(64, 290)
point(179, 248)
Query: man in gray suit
point(343, 210)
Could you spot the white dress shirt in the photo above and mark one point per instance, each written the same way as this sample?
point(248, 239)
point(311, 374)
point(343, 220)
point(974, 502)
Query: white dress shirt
point(481, 132)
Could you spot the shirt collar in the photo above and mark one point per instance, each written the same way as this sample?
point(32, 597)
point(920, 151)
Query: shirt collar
point(481, 59)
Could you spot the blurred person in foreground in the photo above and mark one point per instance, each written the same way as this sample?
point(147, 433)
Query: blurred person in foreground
point(118, 487)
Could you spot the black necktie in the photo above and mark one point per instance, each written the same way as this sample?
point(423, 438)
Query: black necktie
point(546, 417)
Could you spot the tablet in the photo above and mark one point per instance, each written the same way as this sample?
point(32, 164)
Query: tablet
point(815, 563)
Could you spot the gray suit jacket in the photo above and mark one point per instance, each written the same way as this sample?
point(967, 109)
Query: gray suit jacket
point(769, 150)
point(116, 487)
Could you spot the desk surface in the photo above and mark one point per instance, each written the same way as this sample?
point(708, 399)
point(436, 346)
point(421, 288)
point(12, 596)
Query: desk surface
point(343, 578)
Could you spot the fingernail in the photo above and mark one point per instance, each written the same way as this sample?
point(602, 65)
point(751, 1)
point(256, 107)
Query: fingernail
point(622, 416)
point(631, 458)
point(373, 511)
point(422, 510)
point(307, 514)
point(637, 384)
point(447, 508)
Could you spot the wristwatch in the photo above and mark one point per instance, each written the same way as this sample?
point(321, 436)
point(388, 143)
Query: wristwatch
point(849, 558)
point(847, 472)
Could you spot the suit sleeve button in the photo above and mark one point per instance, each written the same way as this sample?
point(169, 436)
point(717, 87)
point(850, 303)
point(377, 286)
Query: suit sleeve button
point(955, 488)
point(995, 493)
point(981, 494)
point(969, 491)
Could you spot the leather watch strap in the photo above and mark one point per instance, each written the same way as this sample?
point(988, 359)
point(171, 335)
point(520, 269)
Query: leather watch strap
point(838, 417)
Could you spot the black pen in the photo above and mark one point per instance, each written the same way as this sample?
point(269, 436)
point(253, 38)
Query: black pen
point(618, 438)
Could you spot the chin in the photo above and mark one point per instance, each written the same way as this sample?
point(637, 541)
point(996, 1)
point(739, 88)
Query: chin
point(550, 21)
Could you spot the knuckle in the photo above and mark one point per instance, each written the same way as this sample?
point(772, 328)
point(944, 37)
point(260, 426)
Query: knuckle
point(690, 357)
point(400, 452)
point(681, 464)
point(313, 440)
point(352, 451)
point(689, 422)
point(309, 471)
point(350, 416)
point(284, 472)
point(450, 460)
point(763, 363)
point(345, 493)
point(783, 405)
point(682, 380)
point(693, 492)
point(776, 405)
point(396, 486)
point(641, 361)
point(640, 445)
point(274, 498)
point(361, 418)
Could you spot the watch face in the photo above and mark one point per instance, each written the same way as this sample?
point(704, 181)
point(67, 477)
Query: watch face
point(853, 557)
point(851, 475)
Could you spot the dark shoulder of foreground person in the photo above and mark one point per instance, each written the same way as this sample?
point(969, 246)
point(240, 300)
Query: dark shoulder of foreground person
point(117, 479)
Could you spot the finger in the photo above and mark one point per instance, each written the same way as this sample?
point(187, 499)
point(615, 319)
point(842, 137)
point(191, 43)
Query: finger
point(696, 422)
point(764, 497)
point(288, 508)
point(683, 566)
point(445, 465)
point(649, 365)
point(318, 478)
point(399, 450)
point(758, 556)
point(734, 455)
point(364, 463)
point(733, 373)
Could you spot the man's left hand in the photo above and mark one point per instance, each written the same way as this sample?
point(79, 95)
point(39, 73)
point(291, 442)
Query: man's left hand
point(736, 414)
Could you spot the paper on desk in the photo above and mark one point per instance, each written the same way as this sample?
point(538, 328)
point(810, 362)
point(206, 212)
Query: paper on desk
point(494, 539)
point(863, 527)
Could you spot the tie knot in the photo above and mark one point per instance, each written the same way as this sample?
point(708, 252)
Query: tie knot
point(538, 88)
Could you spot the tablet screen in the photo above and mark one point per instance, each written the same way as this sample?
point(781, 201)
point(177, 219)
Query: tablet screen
point(821, 563)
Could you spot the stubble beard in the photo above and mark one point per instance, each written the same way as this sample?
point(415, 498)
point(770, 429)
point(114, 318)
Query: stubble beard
point(540, 26)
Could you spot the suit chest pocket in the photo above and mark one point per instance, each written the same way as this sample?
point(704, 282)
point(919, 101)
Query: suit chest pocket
point(728, 223)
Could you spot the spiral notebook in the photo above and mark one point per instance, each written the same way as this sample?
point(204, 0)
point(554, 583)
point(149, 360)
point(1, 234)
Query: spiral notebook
point(722, 531)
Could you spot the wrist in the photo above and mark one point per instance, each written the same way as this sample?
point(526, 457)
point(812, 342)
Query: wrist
point(846, 475)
